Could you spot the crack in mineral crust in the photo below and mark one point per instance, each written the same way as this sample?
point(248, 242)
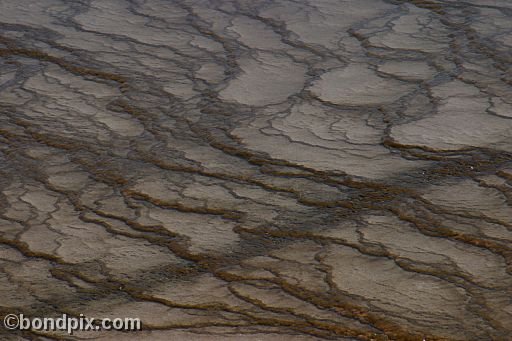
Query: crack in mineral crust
point(258, 170)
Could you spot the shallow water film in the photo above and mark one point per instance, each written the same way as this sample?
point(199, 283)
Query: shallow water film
point(256, 169)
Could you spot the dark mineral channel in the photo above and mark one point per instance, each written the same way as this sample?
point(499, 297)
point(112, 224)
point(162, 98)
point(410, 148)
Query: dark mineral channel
point(258, 170)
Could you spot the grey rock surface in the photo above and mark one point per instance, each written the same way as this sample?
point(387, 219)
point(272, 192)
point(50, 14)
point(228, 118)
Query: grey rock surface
point(258, 170)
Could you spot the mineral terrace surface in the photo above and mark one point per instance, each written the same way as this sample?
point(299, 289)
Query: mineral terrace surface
point(256, 169)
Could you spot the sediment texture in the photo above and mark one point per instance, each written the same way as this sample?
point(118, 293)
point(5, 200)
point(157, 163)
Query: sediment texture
point(258, 170)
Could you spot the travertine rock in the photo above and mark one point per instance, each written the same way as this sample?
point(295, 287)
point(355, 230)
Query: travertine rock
point(258, 170)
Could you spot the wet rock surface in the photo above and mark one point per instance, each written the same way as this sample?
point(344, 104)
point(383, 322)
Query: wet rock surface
point(258, 170)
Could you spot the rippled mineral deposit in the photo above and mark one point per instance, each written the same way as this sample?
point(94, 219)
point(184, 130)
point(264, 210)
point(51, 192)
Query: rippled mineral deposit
point(257, 169)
